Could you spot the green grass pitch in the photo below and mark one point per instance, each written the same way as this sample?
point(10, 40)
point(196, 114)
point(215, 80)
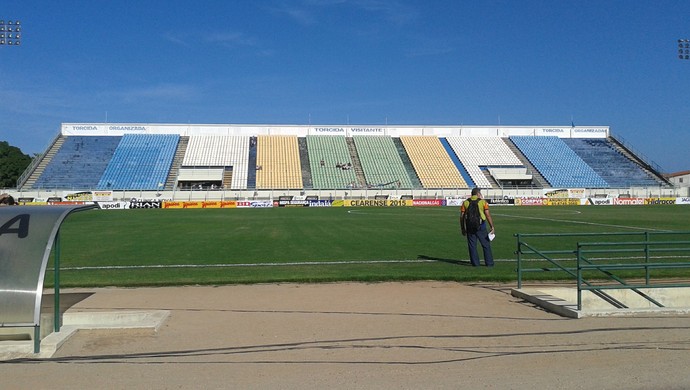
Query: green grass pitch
point(225, 246)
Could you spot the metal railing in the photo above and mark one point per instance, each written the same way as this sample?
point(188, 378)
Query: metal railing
point(615, 264)
point(34, 163)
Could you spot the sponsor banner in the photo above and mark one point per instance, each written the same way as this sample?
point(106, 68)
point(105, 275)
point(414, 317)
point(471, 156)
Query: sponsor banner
point(145, 204)
point(599, 201)
point(428, 202)
point(36, 203)
point(320, 203)
point(454, 202)
point(576, 193)
point(376, 203)
point(659, 201)
point(84, 196)
point(68, 203)
point(200, 204)
point(501, 201)
point(628, 201)
point(254, 204)
point(24, 200)
point(102, 196)
point(556, 194)
point(529, 201)
point(113, 205)
point(562, 202)
point(457, 202)
point(682, 200)
point(338, 203)
point(292, 203)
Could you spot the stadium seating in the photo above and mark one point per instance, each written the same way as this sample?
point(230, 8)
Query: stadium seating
point(220, 151)
point(79, 163)
point(266, 162)
point(140, 162)
point(325, 153)
point(431, 162)
point(559, 164)
point(609, 163)
point(381, 162)
point(278, 162)
point(478, 152)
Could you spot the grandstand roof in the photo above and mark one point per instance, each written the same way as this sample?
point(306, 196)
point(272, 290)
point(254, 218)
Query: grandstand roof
point(676, 174)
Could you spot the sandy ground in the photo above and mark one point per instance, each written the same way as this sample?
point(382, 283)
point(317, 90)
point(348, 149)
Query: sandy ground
point(422, 335)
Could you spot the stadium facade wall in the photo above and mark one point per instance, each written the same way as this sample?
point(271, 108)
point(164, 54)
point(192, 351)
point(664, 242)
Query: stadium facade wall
point(119, 129)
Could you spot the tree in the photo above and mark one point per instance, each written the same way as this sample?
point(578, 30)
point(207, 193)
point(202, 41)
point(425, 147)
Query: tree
point(12, 164)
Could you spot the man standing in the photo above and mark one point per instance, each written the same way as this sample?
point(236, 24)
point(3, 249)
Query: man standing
point(474, 214)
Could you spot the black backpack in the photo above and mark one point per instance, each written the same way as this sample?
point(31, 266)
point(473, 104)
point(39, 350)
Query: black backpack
point(473, 219)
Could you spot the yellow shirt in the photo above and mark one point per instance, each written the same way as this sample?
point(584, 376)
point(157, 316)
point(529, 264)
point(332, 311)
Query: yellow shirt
point(483, 205)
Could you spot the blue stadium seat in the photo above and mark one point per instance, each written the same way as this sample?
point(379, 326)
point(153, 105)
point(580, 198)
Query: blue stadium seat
point(618, 170)
point(140, 162)
point(557, 163)
point(79, 163)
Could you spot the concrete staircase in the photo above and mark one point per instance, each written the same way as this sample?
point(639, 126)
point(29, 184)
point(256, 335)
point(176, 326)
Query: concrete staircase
point(35, 170)
point(537, 179)
point(307, 181)
point(356, 164)
point(492, 181)
point(227, 177)
point(177, 163)
point(414, 178)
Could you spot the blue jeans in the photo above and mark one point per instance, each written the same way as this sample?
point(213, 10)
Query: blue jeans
point(483, 236)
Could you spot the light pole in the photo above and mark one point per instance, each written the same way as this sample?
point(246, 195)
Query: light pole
point(10, 33)
point(684, 49)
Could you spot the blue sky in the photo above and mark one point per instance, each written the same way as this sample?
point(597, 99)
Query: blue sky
point(431, 62)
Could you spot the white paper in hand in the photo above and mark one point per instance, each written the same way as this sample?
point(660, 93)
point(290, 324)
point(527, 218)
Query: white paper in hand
point(492, 236)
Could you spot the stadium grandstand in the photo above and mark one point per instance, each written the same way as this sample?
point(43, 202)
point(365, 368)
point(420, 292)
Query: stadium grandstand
point(241, 161)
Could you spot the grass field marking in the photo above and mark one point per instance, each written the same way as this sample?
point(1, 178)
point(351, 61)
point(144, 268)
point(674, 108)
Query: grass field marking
point(436, 211)
point(289, 264)
point(303, 263)
point(580, 222)
point(292, 264)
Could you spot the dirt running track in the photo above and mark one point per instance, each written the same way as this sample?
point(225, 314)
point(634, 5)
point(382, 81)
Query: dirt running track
point(423, 335)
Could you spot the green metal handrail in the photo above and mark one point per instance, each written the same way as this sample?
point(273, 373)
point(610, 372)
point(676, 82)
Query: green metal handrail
point(647, 247)
point(583, 262)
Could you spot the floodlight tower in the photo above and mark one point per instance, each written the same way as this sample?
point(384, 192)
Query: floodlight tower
point(10, 33)
point(684, 49)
